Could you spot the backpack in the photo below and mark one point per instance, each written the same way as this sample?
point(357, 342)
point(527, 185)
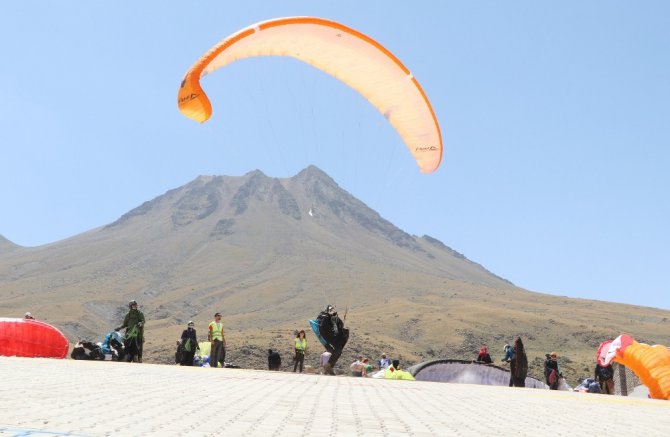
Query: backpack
point(594, 387)
point(605, 372)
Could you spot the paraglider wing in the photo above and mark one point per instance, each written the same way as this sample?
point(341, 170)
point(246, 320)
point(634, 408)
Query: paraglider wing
point(348, 55)
point(603, 349)
point(31, 338)
point(315, 325)
point(650, 363)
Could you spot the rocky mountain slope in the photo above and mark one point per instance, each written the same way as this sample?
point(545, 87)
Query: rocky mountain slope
point(269, 253)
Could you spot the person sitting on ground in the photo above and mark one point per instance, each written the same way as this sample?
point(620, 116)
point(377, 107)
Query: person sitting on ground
point(357, 367)
point(605, 377)
point(484, 356)
point(367, 369)
point(274, 360)
point(384, 362)
point(551, 372)
point(28, 316)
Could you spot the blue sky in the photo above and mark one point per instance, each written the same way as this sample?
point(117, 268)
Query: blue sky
point(555, 121)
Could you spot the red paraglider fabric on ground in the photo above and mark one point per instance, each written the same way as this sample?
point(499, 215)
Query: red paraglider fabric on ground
point(31, 338)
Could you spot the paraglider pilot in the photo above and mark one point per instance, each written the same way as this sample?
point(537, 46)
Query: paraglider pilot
point(134, 338)
point(330, 330)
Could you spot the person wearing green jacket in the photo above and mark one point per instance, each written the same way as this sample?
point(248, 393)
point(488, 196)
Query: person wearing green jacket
point(134, 337)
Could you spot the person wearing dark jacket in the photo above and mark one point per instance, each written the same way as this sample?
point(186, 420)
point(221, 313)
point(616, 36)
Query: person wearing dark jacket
point(605, 377)
point(551, 372)
point(484, 356)
point(274, 360)
point(518, 365)
point(334, 334)
point(189, 344)
point(134, 338)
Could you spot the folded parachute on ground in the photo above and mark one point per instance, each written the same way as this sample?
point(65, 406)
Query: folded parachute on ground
point(650, 363)
point(348, 55)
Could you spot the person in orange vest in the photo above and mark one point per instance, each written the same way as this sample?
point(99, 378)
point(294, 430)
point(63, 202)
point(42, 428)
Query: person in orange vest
point(300, 349)
point(218, 341)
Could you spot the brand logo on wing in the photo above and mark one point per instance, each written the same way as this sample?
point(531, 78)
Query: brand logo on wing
point(425, 149)
point(188, 98)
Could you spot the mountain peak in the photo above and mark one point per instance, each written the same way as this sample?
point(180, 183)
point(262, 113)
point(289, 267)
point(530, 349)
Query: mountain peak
point(313, 173)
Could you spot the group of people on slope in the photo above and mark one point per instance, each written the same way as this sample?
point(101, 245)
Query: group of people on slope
point(516, 356)
point(331, 332)
point(188, 343)
point(363, 368)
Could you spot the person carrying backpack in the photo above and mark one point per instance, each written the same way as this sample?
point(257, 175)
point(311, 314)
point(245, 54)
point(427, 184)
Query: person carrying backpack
point(189, 344)
point(605, 377)
point(134, 337)
point(551, 373)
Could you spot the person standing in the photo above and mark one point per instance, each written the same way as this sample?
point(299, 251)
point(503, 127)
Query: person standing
point(518, 365)
point(300, 348)
point(189, 344)
point(218, 342)
point(509, 355)
point(357, 367)
point(333, 334)
point(551, 372)
point(134, 337)
point(323, 360)
point(605, 377)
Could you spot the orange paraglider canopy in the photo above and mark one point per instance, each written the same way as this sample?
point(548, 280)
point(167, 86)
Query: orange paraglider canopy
point(650, 363)
point(348, 55)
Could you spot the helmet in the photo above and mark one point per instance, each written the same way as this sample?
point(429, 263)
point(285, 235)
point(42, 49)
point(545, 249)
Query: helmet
point(553, 355)
point(330, 308)
point(131, 303)
point(190, 323)
point(28, 315)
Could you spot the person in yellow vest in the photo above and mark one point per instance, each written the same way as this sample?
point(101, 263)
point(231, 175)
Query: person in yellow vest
point(300, 348)
point(218, 342)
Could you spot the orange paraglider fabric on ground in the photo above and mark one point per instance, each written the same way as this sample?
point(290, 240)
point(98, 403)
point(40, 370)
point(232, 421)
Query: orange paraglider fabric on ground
point(650, 363)
point(31, 338)
point(348, 55)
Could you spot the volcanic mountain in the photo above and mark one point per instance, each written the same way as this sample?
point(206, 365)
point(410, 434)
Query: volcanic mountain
point(269, 254)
